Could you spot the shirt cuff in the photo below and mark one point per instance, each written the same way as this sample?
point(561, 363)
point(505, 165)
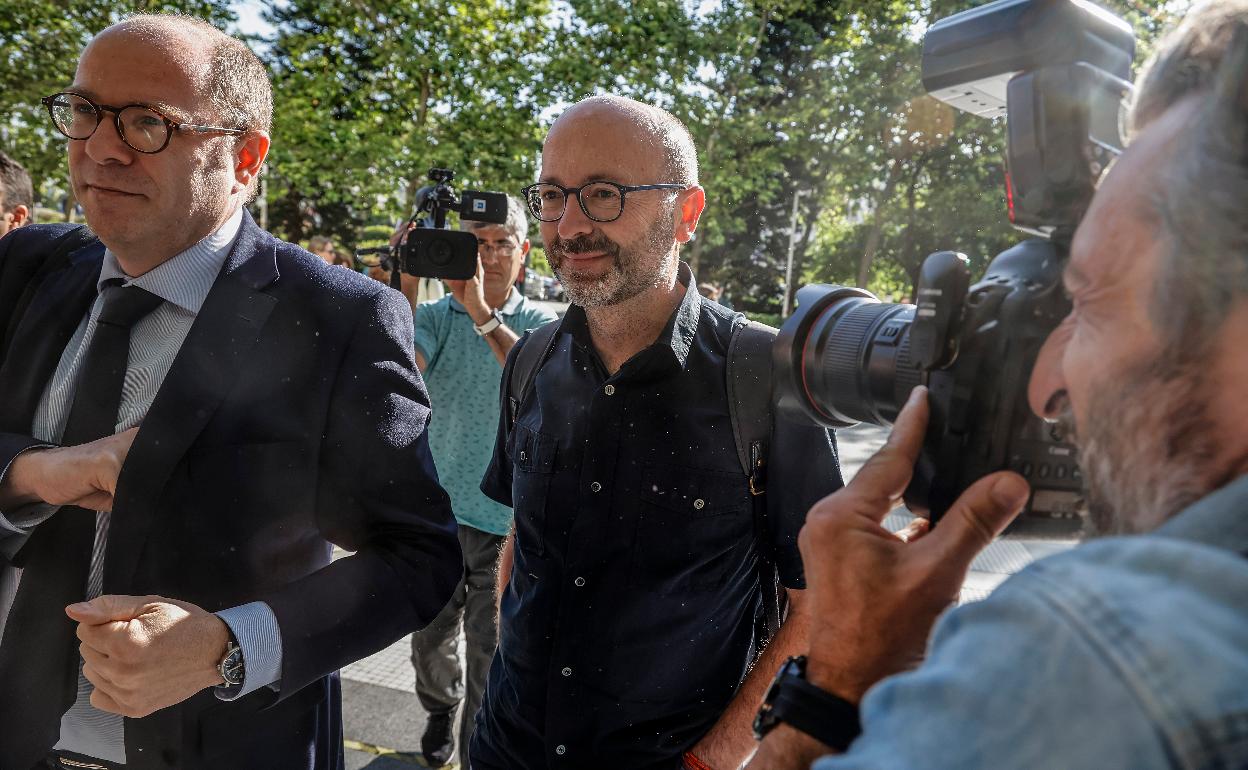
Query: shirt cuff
point(15, 525)
point(255, 627)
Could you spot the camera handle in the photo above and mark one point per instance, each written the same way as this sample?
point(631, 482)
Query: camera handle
point(943, 281)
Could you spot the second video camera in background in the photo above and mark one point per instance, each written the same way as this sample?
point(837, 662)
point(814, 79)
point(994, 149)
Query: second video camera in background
point(431, 249)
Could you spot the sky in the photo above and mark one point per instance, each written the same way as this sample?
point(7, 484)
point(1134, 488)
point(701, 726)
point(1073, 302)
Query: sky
point(249, 21)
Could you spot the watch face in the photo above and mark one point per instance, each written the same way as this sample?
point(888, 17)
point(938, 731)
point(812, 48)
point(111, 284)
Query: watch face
point(795, 666)
point(764, 720)
point(231, 668)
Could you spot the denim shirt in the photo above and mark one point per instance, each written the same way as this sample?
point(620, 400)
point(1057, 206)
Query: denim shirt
point(1125, 652)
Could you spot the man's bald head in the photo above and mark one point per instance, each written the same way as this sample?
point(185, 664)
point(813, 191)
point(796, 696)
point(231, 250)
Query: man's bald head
point(653, 127)
point(227, 72)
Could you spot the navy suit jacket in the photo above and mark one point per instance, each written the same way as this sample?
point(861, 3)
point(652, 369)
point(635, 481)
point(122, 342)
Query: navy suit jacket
point(293, 417)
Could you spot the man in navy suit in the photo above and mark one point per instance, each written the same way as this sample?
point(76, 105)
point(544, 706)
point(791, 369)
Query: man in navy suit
point(191, 411)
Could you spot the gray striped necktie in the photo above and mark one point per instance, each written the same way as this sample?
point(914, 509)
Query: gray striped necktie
point(38, 657)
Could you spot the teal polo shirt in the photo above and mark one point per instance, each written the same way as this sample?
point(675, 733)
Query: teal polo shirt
point(463, 378)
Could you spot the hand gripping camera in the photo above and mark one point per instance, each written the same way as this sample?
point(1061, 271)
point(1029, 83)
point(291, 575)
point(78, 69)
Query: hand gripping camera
point(431, 250)
point(1058, 70)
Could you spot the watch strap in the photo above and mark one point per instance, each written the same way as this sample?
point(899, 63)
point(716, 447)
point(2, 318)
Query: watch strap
point(828, 718)
point(495, 321)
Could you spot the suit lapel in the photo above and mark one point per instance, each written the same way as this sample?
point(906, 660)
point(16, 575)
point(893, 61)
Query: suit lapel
point(54, 313)
point(212, 355)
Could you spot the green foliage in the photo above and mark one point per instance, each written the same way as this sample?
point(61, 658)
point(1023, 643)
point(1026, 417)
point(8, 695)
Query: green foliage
point(780, 95)
point(537, 261)
point(771, 319)
point(370, 95)
point(39, 45)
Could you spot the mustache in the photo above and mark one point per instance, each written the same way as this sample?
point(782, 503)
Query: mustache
point(583, 243)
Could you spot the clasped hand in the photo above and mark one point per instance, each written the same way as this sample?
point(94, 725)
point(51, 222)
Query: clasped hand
point(145, 653)
point(84, 475)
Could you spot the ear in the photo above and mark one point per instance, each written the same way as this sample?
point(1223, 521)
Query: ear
point(524, 251)
point(689, 207)
point(249, 157)
point(20, 214)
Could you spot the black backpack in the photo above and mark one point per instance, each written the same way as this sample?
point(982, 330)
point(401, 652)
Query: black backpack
point(750, 407)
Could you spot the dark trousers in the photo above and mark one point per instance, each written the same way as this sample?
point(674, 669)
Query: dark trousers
point(440, 676)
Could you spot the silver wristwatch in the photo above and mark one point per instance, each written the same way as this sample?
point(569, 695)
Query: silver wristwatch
point(231, 666)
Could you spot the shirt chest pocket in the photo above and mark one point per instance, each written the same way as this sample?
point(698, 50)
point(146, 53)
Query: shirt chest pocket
point(533, 458)
point(695, 528)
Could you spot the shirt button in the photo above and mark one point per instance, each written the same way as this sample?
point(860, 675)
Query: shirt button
point(699, 503)
point(566, 671)
point(561, 749)
point(580, 581)
point(595, 487)
point(524, 455)
point(609, 390)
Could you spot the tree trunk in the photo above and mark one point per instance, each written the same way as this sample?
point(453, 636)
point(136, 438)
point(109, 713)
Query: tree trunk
point(71, 200)
point(877, 224)
point(422, 117)
point(907, 240)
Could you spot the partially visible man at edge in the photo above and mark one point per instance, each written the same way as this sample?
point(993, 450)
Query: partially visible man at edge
point(192, 412)
point(17, 195)
point(627, 626)
point(1129, 651)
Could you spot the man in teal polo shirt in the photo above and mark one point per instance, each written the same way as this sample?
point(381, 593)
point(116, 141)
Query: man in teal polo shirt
point(462, 341)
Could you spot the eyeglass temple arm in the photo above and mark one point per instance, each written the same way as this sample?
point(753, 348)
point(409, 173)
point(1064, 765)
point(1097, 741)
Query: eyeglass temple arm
point(206, 129)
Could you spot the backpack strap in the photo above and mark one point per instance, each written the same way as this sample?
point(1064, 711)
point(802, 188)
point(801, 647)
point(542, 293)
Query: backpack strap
point(750, 405)
point(28, 269)
point(750, 397)
point(535, 348)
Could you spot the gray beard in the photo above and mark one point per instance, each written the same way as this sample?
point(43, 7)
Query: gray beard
point(634, 270)
point(1148, 450)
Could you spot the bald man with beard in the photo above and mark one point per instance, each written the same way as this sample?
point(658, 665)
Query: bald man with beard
point(630, 585)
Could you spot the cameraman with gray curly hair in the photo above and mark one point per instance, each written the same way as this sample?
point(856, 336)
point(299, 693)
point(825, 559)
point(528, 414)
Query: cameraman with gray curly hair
point(1128, 651)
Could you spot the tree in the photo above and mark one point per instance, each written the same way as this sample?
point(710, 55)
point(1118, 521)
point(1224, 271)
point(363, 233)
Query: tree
point(371, 94)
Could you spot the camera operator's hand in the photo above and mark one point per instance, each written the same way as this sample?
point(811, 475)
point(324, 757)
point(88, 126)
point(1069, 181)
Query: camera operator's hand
point(876, 595)
point(471, 294)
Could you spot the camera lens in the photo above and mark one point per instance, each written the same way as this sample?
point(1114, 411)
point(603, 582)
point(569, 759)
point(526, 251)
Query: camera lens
point(845, 356)
point(440, 252)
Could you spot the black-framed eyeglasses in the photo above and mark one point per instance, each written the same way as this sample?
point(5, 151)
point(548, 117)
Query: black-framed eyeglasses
point(143, 128)
point(504, 247)
point(601, 201)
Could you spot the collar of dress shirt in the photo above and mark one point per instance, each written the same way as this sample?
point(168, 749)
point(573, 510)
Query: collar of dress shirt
point(186, 278)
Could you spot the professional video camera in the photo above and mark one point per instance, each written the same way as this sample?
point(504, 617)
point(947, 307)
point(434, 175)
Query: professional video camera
point(1058, 70)
point(431, 250)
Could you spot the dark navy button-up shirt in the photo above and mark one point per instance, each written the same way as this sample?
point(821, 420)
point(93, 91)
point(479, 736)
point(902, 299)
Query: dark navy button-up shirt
point(628, 622)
